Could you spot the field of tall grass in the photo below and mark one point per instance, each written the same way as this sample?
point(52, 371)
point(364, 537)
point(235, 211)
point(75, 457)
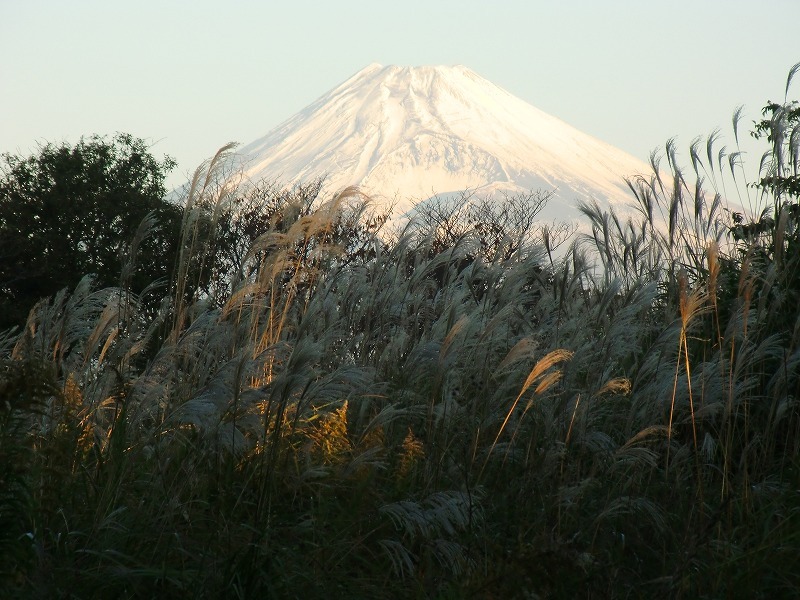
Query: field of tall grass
point(334, 410)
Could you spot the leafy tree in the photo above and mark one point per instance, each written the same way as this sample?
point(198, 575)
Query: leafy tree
point(769, 248)
point(67, 211)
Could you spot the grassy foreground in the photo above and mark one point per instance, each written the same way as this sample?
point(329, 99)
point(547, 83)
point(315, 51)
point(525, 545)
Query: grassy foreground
point(444, 413)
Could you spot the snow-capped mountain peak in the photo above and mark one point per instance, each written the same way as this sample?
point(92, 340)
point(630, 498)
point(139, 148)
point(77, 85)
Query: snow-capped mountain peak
point(408, 133)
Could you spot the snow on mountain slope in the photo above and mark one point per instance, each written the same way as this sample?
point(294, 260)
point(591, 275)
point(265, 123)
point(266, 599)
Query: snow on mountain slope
point(408, 133)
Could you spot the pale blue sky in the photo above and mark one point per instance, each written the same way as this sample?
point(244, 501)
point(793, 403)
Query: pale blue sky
point(192, 75)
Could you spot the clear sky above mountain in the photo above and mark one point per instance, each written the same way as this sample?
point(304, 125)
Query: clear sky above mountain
point(192, 75)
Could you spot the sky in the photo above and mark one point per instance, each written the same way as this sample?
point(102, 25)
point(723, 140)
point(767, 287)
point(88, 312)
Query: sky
point(189, 76)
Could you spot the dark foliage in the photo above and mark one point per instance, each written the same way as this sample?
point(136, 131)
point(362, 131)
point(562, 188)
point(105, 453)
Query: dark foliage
point(68, 211)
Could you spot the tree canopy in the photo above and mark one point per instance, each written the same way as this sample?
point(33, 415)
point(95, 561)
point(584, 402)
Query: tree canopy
point(67, 211)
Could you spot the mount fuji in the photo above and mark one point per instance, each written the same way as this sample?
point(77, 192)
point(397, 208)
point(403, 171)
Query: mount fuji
point(405, 134)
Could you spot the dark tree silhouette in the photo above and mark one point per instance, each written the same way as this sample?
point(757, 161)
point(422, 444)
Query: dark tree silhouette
point(68, 211)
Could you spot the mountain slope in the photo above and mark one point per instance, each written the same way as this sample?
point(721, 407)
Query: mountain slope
point(407, 133)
